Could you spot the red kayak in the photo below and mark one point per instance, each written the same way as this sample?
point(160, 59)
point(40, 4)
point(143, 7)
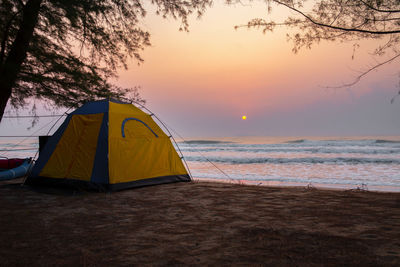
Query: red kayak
point(14, 168)
point(6, 164)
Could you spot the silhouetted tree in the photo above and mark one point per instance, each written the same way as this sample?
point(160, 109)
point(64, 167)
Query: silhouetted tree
point(340, 20)
point(65, 51)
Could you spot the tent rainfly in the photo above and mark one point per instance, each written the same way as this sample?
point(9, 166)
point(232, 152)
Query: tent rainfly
point(108, 145)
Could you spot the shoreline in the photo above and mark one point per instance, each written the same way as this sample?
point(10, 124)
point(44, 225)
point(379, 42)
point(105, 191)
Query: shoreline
point(281, 184)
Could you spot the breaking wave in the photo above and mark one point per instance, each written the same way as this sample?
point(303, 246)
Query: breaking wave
point(316, 160)
point(382, 141)
point(344, 161)
point(310, 150)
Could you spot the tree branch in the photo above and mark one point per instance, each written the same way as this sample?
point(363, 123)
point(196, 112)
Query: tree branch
point(359, 77)
point(377, 9)
point(334, 27)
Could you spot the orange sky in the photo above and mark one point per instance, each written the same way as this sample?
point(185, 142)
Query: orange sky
point(201, 82)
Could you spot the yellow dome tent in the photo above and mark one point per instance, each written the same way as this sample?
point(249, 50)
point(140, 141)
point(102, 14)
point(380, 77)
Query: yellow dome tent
point(108, 145)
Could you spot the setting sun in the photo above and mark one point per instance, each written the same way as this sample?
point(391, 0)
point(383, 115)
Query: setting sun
point(244, 117)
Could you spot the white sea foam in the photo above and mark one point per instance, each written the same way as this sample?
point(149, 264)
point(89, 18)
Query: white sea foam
point(304, 160)
point(18, 148)
point(345, 161)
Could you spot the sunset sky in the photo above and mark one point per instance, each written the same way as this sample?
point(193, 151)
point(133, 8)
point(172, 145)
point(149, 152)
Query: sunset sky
point(202, 82)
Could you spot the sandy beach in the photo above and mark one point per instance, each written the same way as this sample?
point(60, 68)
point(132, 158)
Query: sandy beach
point(199, 223)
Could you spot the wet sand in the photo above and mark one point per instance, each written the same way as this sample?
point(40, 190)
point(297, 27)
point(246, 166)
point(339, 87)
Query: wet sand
point(199, 223)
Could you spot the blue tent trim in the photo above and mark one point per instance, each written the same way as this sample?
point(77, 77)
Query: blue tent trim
point(134, 119)
point(92, 108)
point(100, 187)
point(100, 168)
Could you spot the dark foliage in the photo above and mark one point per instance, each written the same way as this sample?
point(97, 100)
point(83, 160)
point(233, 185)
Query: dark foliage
point(66, 51)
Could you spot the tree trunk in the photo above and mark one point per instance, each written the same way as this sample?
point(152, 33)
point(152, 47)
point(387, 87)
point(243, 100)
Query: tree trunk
point(17, 53)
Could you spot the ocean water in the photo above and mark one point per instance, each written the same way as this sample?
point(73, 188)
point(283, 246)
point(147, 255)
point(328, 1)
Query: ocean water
point(19, 147)
point(371, 163)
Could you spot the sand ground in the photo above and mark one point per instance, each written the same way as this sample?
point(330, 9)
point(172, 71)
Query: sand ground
point(199, 223)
